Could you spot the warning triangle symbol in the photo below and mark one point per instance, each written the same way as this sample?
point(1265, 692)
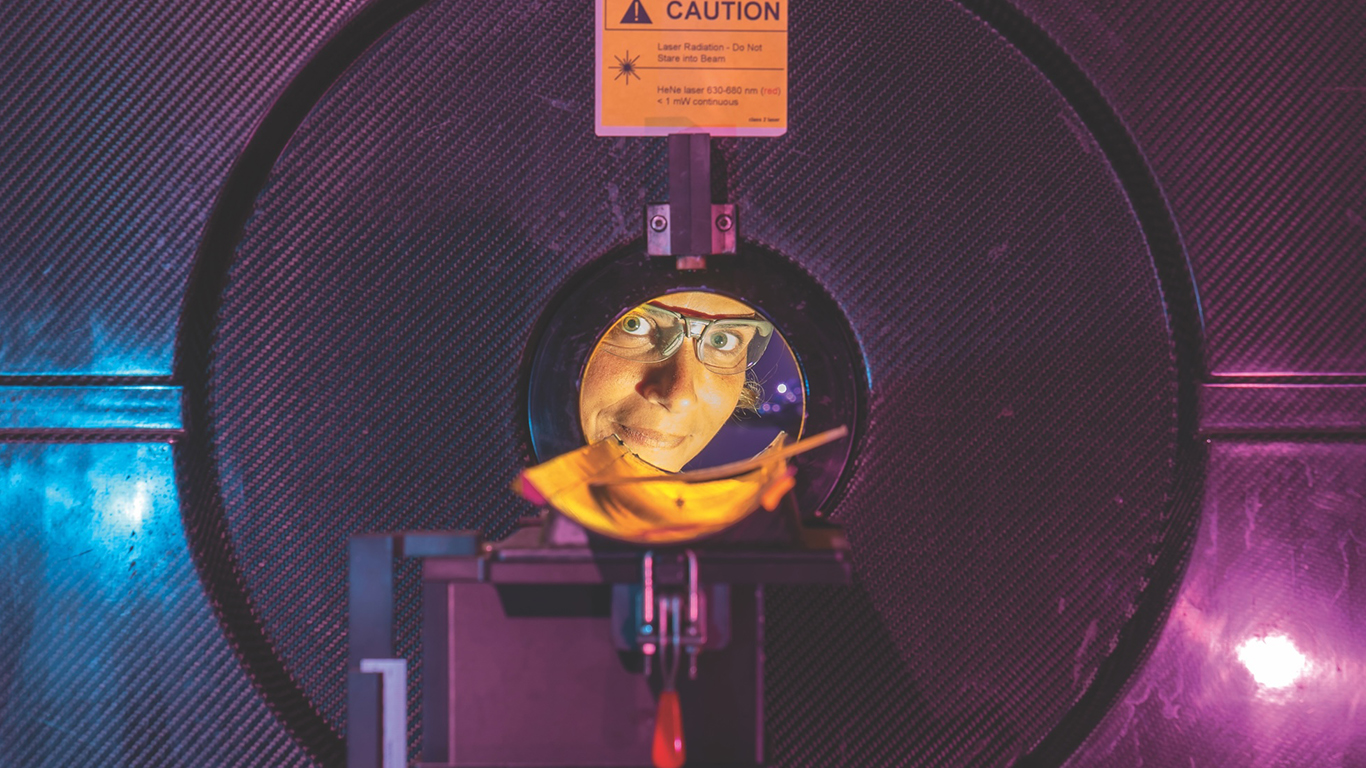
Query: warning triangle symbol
point(636, 14)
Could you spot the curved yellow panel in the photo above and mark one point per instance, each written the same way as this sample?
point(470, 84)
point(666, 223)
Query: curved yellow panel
point(607, 489)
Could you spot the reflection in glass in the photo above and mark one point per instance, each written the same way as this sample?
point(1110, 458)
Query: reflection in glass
point(1274, 661)
point(675, 373)
point(110, 653)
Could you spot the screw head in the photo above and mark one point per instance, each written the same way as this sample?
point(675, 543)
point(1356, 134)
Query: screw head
point(658, 223)
point(724, 222)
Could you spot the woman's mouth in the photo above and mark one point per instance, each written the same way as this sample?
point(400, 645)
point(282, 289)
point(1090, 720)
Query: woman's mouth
point(648, 438)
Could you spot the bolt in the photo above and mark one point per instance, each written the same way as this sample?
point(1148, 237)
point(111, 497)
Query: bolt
point(724, 222)
point(658, 223)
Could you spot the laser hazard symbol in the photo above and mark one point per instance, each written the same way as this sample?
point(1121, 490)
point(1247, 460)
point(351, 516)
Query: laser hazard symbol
point(679, 66)
point(626, 67)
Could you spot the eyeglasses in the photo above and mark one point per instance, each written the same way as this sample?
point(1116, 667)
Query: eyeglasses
point(651, 334)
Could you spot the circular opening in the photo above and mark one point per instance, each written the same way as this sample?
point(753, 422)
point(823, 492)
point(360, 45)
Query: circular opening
point(811, 370)
point(690, 380)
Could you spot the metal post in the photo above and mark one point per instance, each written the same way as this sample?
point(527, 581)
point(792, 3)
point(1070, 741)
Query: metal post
point(370, 621)
point(690, 214)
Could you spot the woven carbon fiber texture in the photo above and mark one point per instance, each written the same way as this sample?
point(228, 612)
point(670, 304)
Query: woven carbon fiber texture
point(394, 332)
point(1283, 408)
point(119, 124)
point(110, 655)
point(1252, 118)
point(1017, 467)
point(1280, 559)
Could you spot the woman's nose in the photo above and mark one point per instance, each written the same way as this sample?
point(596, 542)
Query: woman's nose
point(673, 382)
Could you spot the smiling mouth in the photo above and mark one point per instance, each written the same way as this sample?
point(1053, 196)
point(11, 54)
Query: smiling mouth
point(648, 438)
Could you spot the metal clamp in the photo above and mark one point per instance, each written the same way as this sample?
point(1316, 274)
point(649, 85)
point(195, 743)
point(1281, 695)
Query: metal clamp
point(690, 227)
point(689, 628)
point(658, 240)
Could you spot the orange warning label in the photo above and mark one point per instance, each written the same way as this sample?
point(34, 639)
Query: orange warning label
point(681, 66)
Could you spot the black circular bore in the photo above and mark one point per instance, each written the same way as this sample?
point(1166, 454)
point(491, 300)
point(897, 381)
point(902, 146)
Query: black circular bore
point(814, 327)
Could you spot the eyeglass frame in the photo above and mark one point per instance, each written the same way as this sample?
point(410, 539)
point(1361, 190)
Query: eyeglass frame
point(689, 323)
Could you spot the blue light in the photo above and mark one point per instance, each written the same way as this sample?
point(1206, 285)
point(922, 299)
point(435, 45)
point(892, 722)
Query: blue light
point(90, 407)
point(98, 582)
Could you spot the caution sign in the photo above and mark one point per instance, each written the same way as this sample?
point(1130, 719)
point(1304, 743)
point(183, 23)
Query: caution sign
point(679, 66)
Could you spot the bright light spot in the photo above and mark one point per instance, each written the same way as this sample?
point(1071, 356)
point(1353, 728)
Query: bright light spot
point(127, 509)
point(1274, 661)
point(137, 506)
point(782, 388)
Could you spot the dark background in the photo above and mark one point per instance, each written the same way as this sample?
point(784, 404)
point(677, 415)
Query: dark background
point(129, 616)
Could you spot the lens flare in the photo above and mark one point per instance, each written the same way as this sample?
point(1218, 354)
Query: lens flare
point(1274, 661)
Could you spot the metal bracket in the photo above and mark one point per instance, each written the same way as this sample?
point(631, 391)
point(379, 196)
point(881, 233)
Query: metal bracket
point(690, 227)
point(658, 236)
point(393, 709)
point(376, 716)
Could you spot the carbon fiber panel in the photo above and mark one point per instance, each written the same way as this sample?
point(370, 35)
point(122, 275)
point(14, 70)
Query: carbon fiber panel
point(1260, 661)
point(1019, 463)
point(933, 183)
point(110, 655)
point(119, 125)
point(1253, 121)
point(1282, 408)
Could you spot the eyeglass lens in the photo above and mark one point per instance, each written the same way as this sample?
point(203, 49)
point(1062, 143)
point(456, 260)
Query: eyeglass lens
point(651, 334)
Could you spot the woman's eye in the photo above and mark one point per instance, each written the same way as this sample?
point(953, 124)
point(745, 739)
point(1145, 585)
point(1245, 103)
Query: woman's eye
point(635, 326)
point(724, 342)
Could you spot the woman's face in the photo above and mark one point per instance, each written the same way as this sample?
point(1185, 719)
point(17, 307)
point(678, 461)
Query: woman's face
point(664, 412)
